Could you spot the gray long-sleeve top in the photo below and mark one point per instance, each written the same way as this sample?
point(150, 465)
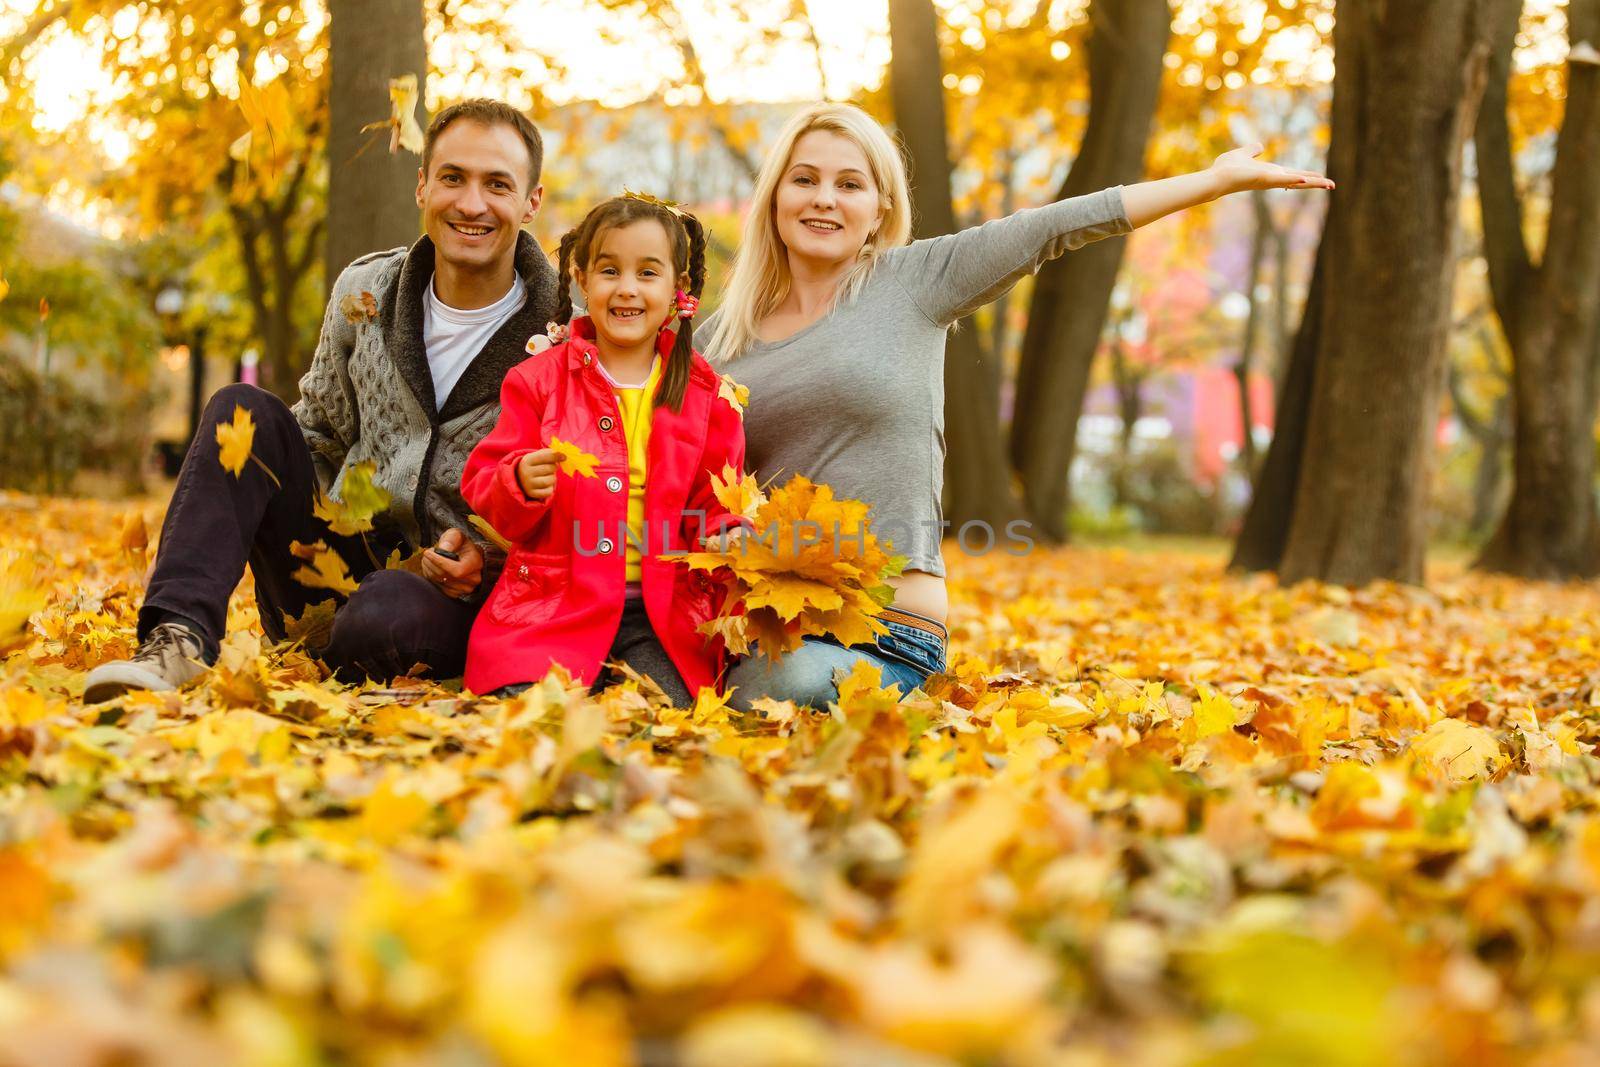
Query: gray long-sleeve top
point(856, 399)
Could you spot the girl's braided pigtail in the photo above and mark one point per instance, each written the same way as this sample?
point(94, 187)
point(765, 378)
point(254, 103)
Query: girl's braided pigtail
point(675, 379)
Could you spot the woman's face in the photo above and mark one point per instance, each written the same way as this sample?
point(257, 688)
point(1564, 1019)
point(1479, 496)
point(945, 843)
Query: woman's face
point(827, 205)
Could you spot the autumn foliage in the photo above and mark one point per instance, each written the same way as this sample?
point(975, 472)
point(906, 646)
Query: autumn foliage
point(1152, 814)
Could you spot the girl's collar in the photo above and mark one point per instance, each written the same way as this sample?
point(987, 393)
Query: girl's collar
point(581, 338)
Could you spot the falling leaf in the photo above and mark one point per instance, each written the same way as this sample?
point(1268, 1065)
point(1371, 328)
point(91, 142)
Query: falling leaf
point(20, 598)
point(359, 501)
point(404, 132)
point(324, 569)
point(44, 308)
point(237, 438)
point(135, 537)
point(403, 98)
point(574, 460)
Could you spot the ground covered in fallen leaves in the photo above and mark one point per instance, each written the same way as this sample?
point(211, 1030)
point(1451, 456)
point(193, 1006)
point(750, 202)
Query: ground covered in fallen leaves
point(1154, 814)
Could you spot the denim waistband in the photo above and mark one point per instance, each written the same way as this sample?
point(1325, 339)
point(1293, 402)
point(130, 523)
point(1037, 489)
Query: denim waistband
point(915, 621)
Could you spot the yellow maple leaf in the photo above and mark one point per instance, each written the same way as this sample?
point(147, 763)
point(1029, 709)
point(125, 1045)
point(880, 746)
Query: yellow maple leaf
point(739, 492)
point(19, 599)
point(1213, 714)
point(790, 596)
point(324, 569)
point(574, 460)
point(1457, 750)
point(359, 500)
point(735, 394)
point(237, 438)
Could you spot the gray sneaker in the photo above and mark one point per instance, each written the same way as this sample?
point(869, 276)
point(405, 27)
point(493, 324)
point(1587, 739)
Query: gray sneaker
point(169, 656)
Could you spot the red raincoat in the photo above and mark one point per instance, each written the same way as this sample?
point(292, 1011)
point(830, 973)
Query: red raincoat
point(560, 597)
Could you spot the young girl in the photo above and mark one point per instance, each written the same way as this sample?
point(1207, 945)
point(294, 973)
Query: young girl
point(602, 462)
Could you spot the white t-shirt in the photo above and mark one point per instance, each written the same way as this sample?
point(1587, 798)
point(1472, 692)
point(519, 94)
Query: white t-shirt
point(454, 338)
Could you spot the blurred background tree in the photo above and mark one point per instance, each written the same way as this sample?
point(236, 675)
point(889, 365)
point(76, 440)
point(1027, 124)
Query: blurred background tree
point(231, 135)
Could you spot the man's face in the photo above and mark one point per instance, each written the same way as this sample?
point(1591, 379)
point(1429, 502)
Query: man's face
point(476, 194)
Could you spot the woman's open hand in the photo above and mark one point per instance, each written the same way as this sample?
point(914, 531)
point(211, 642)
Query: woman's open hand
point(1240, 170)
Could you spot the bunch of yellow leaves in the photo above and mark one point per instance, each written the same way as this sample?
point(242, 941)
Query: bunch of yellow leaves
point(807, 565)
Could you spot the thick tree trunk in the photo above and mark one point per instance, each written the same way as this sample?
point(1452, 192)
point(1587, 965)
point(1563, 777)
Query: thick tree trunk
point(976, 485)
point(1406, 93)
point(1550, 528)
point(1071, 294)
point(371, 194)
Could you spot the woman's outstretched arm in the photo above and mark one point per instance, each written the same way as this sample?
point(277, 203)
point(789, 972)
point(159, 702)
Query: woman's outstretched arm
point(956, 274)
point(1233, 172)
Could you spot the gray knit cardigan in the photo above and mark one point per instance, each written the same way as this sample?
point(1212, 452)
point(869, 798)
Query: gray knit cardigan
point(369, 393)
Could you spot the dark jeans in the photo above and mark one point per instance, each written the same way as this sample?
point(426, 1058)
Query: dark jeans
point(216, 523)
point(637, 645)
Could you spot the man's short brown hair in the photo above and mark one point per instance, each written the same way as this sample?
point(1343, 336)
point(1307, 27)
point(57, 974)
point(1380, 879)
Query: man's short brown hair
point(490, 113)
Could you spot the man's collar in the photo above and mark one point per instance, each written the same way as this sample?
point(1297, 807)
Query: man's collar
point(401, 313)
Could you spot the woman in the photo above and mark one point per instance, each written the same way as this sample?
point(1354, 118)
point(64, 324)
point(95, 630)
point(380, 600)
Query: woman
point(837, 327)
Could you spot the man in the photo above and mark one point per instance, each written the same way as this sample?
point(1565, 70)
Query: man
point(406, 377)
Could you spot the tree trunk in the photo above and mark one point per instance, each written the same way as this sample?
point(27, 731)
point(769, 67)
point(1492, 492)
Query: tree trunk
point(1490, 433)
point(976, 485)
point(1071, 294)
point(371, 193)
point(1265, 529)
point(1130, 406)
point(1406, 93)
point(1550, 529)
point(1282, 332)
point(1252, 324)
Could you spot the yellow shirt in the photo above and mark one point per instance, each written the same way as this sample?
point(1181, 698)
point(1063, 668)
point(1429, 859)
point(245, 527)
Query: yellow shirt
point(636, 406)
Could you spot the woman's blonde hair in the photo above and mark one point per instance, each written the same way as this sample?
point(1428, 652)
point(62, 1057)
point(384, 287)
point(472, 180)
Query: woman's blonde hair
point(760, 279)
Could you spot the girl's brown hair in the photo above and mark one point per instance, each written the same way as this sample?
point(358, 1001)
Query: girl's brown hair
point(688, 239)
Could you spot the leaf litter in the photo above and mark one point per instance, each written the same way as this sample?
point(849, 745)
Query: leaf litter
point(1153, 813)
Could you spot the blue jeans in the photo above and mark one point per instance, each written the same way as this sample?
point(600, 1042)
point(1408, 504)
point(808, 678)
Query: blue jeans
point(906, 656)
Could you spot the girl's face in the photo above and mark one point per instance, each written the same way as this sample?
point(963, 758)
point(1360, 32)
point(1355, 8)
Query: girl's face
point(827, 205)
point(629, 284)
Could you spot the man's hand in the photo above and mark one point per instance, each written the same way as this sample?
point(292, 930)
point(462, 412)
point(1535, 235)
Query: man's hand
point(459, 577)
point(536, 473)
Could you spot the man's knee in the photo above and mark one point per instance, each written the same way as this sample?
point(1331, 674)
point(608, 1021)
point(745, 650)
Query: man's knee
point(404, 607)
point(262, 405)
point(394, 621)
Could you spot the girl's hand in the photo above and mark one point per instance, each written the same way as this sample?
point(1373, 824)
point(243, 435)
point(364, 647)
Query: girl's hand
point(536, 473)
point(729, 540)
point(1240, 170)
